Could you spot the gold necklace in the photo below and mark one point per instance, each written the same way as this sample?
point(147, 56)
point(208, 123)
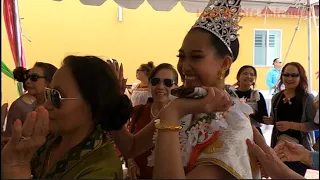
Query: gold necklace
point(159, 110)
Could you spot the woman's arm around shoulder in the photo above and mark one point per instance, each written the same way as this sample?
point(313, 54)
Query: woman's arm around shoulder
point(133, 145)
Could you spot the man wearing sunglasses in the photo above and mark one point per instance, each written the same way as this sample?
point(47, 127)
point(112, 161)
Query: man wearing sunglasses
point(273, 76)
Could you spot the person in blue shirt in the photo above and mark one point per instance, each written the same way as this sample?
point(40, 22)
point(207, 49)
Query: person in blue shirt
point(273, 76)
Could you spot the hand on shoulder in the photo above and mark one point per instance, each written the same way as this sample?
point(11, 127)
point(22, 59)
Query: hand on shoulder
point(268, 159)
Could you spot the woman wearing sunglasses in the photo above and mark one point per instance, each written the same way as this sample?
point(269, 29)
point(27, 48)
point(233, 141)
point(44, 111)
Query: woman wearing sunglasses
point(204, 138)
point(140, 92)
point(34, 80)
point(80, 109)
point(292, 112)
point(162, 80)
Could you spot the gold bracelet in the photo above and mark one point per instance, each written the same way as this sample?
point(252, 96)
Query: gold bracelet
point(160, 126)
point(292, 125)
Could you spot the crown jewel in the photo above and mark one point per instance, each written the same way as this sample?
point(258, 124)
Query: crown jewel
point(221, 17)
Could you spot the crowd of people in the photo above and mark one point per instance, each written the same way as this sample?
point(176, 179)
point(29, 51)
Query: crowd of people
point(79, 122)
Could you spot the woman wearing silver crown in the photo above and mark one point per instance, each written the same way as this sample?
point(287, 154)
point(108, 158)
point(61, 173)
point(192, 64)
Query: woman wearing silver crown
point(209, 143)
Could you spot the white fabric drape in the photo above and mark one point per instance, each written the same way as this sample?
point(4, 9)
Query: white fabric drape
point(194, 6)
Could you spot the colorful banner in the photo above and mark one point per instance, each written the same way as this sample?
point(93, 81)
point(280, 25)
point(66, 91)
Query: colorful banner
point(5, 70)
point(13, 27)
point(8, 9)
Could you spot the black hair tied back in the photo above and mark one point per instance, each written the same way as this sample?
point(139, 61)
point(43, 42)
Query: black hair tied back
point(19, 74)
point(99, 87)
point(118, 115)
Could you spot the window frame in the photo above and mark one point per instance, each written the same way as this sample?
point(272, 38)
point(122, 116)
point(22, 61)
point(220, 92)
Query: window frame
point(254, 35)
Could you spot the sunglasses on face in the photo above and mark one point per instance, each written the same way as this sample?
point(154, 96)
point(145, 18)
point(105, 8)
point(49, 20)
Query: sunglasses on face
point(167, 82)
point(293, 75)
point(33, 77)
point(54, 97)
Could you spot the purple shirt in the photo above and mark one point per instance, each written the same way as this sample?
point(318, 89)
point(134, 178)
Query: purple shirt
point(18, 110)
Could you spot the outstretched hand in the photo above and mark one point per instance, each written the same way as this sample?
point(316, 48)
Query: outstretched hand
point(268, 158)
point(26, 139)
point(288, 151)
point(119, 73)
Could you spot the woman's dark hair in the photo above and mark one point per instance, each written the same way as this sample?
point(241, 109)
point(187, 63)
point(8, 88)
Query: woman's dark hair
point(221, 48)
point(165, 66)
point(242, 69)
point(302, 88)
point(19, 74)
point(48, 70)
point(99, 87)
point(147, 67)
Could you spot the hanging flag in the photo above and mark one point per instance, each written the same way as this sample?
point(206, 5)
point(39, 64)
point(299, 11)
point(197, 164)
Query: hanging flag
point(13, 27)
point(5, 70)
point(9, 22)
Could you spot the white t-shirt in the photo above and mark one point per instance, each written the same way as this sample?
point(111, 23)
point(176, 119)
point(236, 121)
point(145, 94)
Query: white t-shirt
point(139, 95)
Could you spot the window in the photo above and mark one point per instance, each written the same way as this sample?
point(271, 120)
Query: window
point(267, 46)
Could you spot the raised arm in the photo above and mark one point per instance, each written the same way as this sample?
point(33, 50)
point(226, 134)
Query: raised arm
point(168, 161)
point(132, 145)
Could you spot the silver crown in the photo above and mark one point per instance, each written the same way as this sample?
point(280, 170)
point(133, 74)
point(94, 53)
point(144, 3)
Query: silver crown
point(221, 17)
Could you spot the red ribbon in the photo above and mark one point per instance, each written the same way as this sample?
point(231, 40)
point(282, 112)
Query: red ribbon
point(8, 10)
point(8, 13)
point(198, 149)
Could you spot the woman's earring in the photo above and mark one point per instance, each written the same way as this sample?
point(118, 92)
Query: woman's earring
point(221, 76)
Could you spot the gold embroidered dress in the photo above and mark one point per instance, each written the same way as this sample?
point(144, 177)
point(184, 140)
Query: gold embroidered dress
point(220, 139)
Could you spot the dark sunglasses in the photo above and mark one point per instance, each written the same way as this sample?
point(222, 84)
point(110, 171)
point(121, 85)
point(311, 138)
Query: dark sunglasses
point(54, 97)
point(33, 77)
point(167, 82)
point(294, 75)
